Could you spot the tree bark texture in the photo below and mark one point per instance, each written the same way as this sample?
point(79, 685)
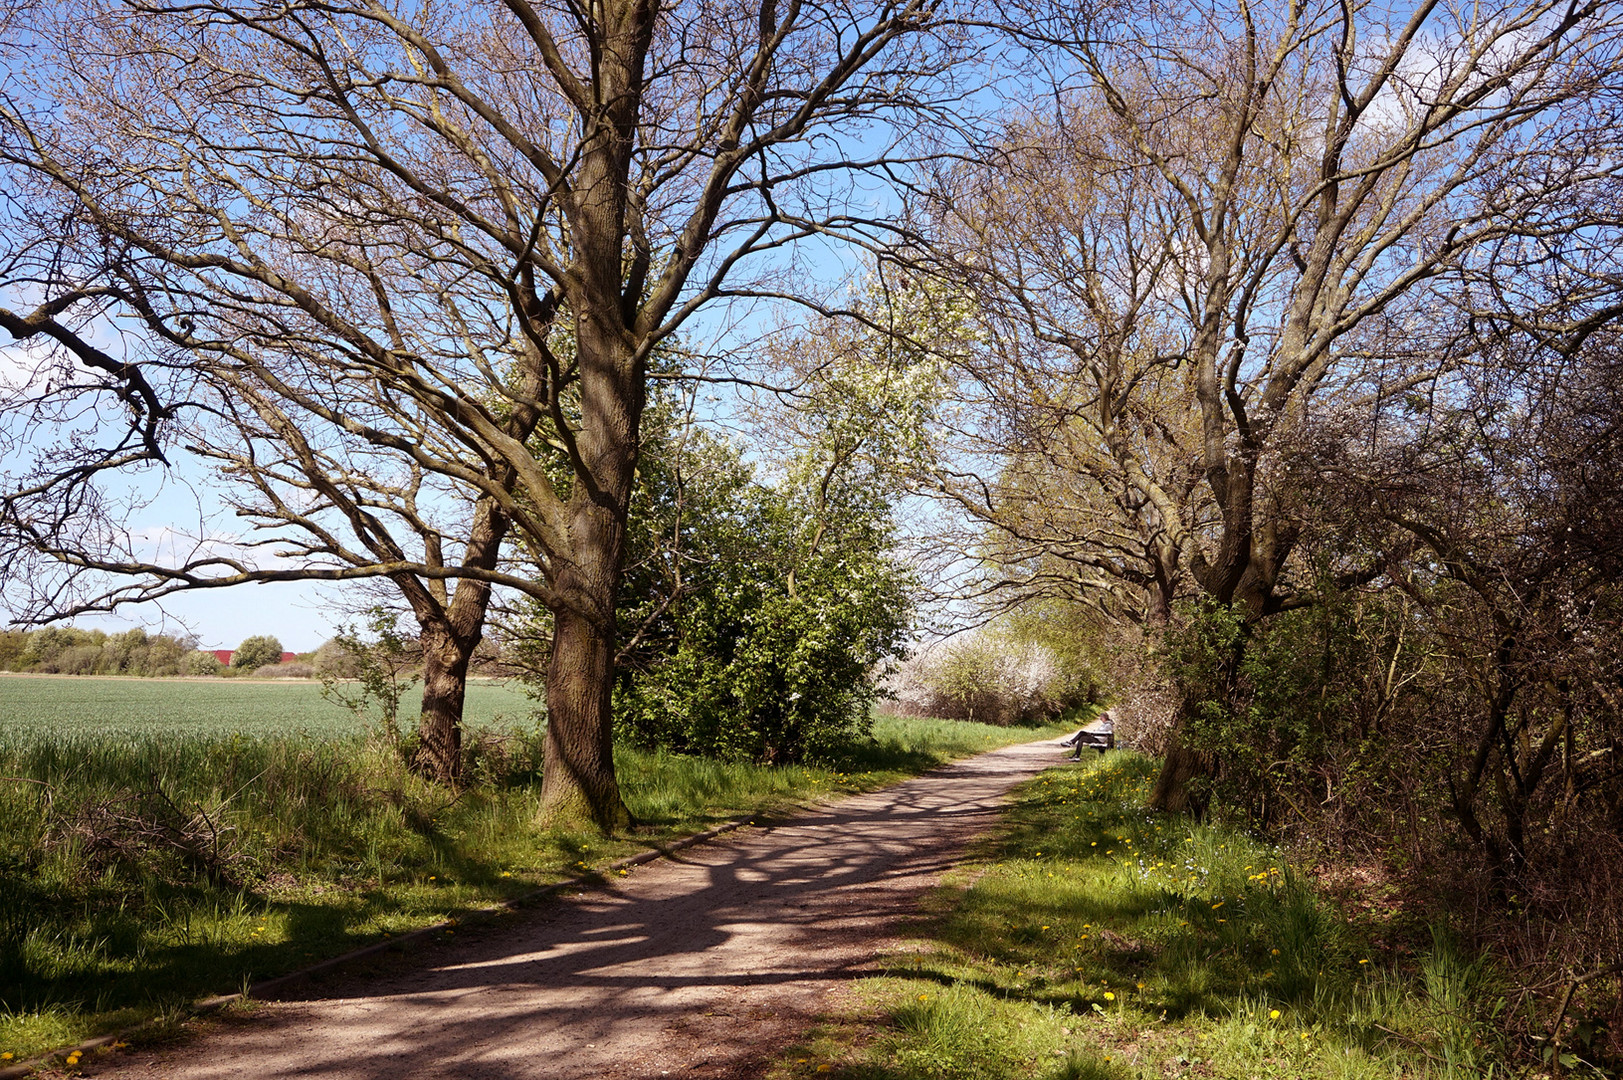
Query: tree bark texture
point(578, 782)
point(445, 688)
point(450, 627)
point(1174, 786)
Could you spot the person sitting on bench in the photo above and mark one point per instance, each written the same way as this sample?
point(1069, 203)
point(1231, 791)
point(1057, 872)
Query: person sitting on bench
point(1102, 738)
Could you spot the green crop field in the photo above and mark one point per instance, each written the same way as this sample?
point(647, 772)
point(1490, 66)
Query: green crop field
point(34, 707)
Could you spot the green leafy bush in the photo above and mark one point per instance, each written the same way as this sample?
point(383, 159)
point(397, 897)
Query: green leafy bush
point(1272, 703)
point(68, 650)
point(202, 663)
point(255, 652)
point(770, 650)
point(755, 621)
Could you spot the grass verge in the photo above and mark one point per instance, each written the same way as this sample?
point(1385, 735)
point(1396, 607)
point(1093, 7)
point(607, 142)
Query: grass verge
point(1092, 939)
point(140, 873)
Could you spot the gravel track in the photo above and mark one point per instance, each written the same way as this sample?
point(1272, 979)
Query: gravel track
point(701, 965)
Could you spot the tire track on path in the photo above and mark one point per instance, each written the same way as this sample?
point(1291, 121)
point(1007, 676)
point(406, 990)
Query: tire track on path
point(700, 965)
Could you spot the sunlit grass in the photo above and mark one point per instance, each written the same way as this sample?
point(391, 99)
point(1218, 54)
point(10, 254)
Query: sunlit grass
point(335, 845)
point(1095, 939)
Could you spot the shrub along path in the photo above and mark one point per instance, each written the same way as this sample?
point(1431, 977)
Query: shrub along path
point(698, 966)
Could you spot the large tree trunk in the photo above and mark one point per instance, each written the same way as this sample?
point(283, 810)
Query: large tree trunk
point(1174, 791)
point(450, 629)
point(445, 689)
point(578, 782)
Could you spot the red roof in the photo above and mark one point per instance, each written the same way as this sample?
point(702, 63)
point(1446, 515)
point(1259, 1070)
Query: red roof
point(224, 656)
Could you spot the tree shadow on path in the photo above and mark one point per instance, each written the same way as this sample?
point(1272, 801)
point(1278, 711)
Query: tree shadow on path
point(692, 963)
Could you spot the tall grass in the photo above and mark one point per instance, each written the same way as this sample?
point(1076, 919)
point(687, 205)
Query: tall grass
point(1098, 940)
point(140, 871)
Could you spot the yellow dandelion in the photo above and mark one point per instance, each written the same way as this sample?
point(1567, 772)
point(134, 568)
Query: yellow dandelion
point(6, 1056)
point(1273, 1014)
point(1363, 961)
point(1109, 996)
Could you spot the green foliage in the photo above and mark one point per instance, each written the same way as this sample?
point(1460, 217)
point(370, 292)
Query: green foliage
point(202, 663)
point(695, 506)
point(1003, 674)
point(370, 675)
point(1072, 632)
point(771, 649)
point(783, 605)
point(67, 650)
point(968, 676)
point(754, 620)
point(1272, 702)
point(256, 652)
point(13, 644)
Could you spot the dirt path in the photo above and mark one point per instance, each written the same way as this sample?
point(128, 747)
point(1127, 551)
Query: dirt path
point(700, 966)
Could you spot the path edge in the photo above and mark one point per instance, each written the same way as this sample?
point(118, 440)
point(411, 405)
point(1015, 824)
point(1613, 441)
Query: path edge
point(590, 880)
point(209, 1005)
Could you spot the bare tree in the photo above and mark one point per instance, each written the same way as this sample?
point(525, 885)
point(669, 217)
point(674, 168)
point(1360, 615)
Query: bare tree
point(1509, 485)
point(1231, 215)
point(286, 201)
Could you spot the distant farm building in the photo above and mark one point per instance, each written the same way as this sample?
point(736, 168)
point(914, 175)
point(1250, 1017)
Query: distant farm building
point(224, 656)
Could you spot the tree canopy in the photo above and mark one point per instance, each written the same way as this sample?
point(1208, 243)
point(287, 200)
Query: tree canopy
point(348, 242)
